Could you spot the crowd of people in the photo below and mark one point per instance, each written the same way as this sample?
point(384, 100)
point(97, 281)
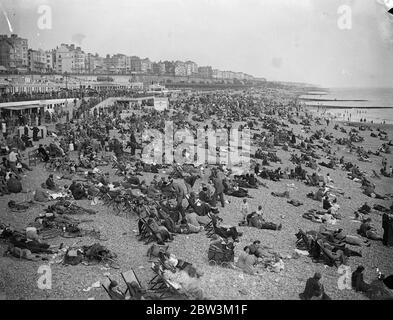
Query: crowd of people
point(82, 149)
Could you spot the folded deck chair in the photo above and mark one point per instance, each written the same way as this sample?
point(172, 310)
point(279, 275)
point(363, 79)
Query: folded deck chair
point(209, 228)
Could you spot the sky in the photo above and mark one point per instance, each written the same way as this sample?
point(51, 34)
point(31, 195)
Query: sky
point(282, 40)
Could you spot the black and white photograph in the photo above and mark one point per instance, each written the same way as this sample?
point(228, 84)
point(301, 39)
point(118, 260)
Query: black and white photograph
point(197, 155)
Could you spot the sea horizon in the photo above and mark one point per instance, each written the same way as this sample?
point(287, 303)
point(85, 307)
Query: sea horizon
point(353, 104)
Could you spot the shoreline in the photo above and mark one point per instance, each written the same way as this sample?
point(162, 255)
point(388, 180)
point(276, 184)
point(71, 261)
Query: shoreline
point(344, 107)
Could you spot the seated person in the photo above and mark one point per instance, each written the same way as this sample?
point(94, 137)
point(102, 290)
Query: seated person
point(160, 231)
point(358, 284)
point(115, 292)
point(206, 196)
point(247, 261)
point(77, 190)
point(13, 184)
point(256, 220)
point(326, 203)
point(41, 195)
point(27, 141)
point(318, 196)
point(252, 180)
point(201, 208)
point(19, 167)
point(314, 290)
point(50, 183)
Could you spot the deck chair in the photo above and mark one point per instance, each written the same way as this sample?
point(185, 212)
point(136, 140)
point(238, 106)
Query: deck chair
point(325, 258)
point(158, 284)
point(147, 233)
point(162, 287)
point(130, 277)
point(209, 228)
point(112, 295)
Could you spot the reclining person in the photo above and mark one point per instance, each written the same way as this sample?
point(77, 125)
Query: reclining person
point(224, 231)
point(256, 220)
point(368, 231)
point(196, 220)
point(365, 208)
point(284, 194)
point(232, 189)
point(258, 250)
point(369, 190)
point(189, 225)
point(336, 256)
point(339, 236)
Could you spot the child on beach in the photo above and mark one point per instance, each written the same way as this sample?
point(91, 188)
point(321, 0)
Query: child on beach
point(259, 211)
point(244, 211)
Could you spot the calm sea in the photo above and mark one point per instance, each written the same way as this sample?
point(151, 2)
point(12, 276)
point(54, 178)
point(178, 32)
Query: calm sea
point(372, 104)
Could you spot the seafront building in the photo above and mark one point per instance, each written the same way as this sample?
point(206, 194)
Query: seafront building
point(16, 57)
